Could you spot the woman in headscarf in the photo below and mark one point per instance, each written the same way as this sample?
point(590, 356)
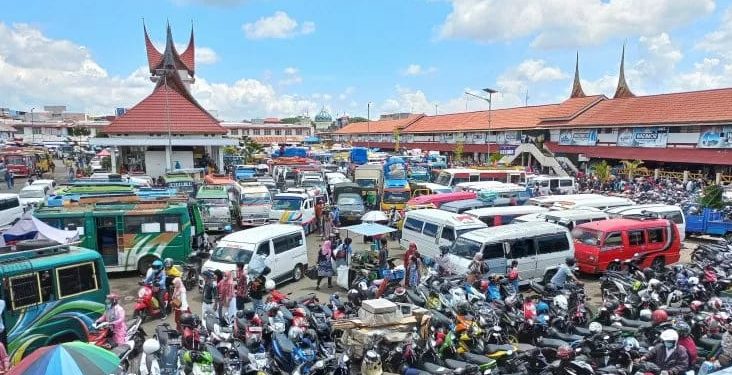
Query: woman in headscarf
point(476, 268)
point(325, 267)
point(414, 271)
point(180, 301)
point(408, 254)
point(227, 302)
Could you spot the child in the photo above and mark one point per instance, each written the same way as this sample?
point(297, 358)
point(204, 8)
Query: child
point(513, 276)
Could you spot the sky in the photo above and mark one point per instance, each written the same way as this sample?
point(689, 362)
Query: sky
point(269, 58)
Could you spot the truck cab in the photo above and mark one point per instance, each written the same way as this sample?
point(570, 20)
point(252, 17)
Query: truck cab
point(293, 208)
point(701, 220)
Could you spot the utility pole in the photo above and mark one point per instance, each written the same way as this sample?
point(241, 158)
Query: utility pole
point(33, 130)
point(368, 125)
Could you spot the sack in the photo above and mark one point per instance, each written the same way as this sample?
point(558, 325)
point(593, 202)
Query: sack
point(176, 303)
point(342, 278)
point(312, 273)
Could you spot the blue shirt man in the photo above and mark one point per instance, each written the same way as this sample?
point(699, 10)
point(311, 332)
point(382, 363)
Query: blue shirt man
point(564, 272)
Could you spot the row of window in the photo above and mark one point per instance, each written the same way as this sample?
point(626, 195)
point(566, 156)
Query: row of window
point(152, 224)
point(9, 203)
point(34, 288)
point(281, 244)
point(636, 237)
point(265, 131)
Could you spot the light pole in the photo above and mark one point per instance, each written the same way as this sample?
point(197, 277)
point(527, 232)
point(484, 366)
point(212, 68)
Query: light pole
point(33, 130)
point(368, 125)
point(489, 99)
point(169, 150)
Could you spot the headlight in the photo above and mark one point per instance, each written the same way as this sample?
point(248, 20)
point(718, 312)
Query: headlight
point(141, 293)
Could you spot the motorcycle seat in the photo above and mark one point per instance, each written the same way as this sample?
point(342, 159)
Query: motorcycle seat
point(631, 330)
point(455, 364)
point(435, 369)
point(492, 348)
point(610, 330)
point(550, 343)
point(677, 310)
point(414, 371)
point(521, 347)
point(565, 336)
point(284, 343)
point(708, 343)
point(477, 358)
point(582, 331)
point(607, 370)
point(439, 319)
point(634, 323)
point(120, 350)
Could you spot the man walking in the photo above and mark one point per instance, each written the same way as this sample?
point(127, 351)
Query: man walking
point(9, 178)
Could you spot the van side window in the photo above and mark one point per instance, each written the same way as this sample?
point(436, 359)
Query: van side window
point(24, 290)
point(635, 238)
point(522, 248)
point(474, 178)
point(448, 233)
point(413, 224)
point(552, 243)
point(7, 204)
point(287, 242)
point(263, 249)
point(493, 250)
point(565, 183)
point(675, 216)
point(613, 240)
point(76, 279)
point(430, 229)
point(655, 235)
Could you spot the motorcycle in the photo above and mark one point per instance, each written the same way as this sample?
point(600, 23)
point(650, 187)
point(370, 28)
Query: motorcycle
point(134, 338)
point(289, 356)
point(147, 304)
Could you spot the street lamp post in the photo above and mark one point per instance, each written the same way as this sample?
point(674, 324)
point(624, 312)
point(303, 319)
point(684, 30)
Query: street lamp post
point(368, 125)
point(169, 150)
point(33, 130)
point(489, 99)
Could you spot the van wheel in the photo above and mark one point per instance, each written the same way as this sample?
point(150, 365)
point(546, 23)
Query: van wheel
point(658, 263)
point(145, 263)
point(297, 273)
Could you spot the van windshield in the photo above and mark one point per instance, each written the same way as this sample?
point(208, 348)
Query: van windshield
point(465, 248)
point(227, 254)
point(587, 236)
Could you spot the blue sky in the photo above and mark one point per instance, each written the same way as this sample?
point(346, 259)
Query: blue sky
point(280, 58)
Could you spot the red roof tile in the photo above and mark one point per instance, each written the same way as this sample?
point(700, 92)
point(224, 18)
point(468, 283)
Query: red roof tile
point(380, 126)
point(150, 116)
point(672, 155)
point(507, 118)
point(709, 106)
point(154, 57)
point(572, 107)
point(187, 57)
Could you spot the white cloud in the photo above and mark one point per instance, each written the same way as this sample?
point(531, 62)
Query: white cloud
point(277, 26)
point(719, 41)
point(418, 70)
point(537, 71)
point(292, 76)
point(347, 92)
point(562, 23)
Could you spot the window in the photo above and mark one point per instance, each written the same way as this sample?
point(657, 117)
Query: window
point(430, 229)
point(263, 249)
point(278, 132)
point(655, 235)
point(46, 285)
point(413, 224)
point(493, 250)
point(287, 242)
point(488, 220)
point(522, 248)
point(24, 291)
point(7, 204)
point(448, 233)
point(255, 131)
point(635, 238)
point(474, 178)
point(37, 131)
point(172, 223)
point(565, 183)
point(613, 240)
point(675, 216)
point(288, 131)
point(133, 224)
point(552, 243)
point(267, 132)
point(298, 131)
point(76, 279)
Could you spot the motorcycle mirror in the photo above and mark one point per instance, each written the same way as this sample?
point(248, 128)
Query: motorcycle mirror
point(319, 364)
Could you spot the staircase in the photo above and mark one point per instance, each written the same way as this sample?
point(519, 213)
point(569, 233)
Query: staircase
point(564, 161)
point(543, 156)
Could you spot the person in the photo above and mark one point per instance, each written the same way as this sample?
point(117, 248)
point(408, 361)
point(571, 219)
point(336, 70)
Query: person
point(411, 250)
point(394, 218)
point(8, 178)
point(477, 266)
point(156, 278)
point(335, 216)
point(685, 340)
point(257, 290)
point(319, 216)
point(413, 275)
point(565, 271)
point(242, 289)
point(210, 294)
point(180, 301)
point(670, 357)
point(325, 267)
point(444, 265)
point(52, 167)
point(383, 254)
point(115, 316)
point(342, 253)
point(513, 276)
point(171, 272)
point(494, 292)
point(29, 181)
point(227, 302)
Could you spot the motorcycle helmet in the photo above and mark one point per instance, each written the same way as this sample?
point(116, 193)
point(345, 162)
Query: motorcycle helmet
point(682, 328)
point(570, 261)
point(654, 283)
point(483, 285)
point(696, 306)
point(248, 314)
point(150, 346)
point(295, 333)
point(168, 263)
point(659, 316)
point(157, 265)
point(112, 299)
point(669, 338)
point(595, 327)
point(510, 300)
point(715, 303)
point(190, 320)
point(693, 281)
point(354, 297)
point(631, 343)
point(463, 309)
point(269, 285)
point(565, 352)
point(637, 285)
point(645, 315)
point(371, 363)
point(561, 302)
point(542, 308)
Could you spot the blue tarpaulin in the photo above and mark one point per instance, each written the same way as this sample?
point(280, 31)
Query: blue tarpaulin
point(368, 229)
point(311, 140)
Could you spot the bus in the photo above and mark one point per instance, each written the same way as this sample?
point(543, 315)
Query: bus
point(52, 295)
point(395, 194)
point(453, 176)
point(218, 208)
point(130, 235)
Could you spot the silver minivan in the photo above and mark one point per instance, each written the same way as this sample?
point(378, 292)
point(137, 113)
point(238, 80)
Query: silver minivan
point(537, 246)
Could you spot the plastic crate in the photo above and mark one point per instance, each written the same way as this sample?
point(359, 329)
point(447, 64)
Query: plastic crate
point(393, 275)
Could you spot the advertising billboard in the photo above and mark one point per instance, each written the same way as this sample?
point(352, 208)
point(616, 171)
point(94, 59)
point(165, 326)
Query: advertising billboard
point(715, 137)
point(510, 137)
point(578, 137)
point(642, 137)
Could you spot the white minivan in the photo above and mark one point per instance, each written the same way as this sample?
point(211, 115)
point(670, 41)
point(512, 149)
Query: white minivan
point(431, 228)
point(665, 211)
point(495, 216)
point(573, 218)
point(602, 203)
point(10, 209)
point(552, 184)
point(536, 246)
point(282, 246)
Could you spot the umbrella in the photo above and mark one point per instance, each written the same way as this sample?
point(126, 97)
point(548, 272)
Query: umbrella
point(104, 152)
point(71, 358)
point(373, 216)
point(369, 229)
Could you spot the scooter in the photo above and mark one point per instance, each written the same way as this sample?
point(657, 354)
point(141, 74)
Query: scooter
point(102, 332)
point(147, 305)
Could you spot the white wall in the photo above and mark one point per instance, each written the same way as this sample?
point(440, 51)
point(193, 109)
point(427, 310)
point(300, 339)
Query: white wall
point(155, 161)
point(681, 138)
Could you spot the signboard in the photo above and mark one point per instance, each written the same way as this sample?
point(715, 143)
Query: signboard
point(578, 137)
point(642, 137)
point(508, 138)
point(715, 137)
point(507, 149)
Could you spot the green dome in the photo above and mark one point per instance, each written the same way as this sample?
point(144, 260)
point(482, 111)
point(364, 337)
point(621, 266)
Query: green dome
point(323, 116)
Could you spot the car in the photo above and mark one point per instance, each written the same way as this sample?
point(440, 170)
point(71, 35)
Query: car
point(51, 184)
point(33, 195)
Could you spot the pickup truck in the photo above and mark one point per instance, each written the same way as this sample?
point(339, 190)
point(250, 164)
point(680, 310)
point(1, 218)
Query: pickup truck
point(708, 221)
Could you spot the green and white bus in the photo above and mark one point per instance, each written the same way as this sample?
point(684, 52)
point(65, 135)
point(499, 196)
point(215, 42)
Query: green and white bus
point(52, 295)
point(130, 236)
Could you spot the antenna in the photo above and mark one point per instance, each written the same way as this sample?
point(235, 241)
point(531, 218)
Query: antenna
point(526, 98)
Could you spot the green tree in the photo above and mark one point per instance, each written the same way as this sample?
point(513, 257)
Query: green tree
point(396, 134)
point(290, 120)
point(495, 158)
point(78, 131)
point(107, 163)
point(250, 148)
point(357, 119)
point(457, 152)
point(231, 150)
point(631, 167)
point(602, 171)
point(712, 197)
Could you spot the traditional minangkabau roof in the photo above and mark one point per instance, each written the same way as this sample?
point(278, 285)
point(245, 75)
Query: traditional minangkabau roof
point(622, 91)
point(170, 57)
point(577, 91)
point(170, 107)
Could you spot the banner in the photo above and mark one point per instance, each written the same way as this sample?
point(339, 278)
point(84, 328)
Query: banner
point(578, 137)
point(642, 137)
point(715, 137)
point(507, 149)
point(508, 138)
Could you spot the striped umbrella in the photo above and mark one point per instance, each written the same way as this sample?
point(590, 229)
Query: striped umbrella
point(71, 358)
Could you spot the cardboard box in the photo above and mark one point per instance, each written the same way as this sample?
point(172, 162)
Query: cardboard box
point(379, 306)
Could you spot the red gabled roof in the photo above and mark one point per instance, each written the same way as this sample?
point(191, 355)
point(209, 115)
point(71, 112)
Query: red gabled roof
point(667, 154)
point(572, 107)
point(154, 113)
point(187, 57)
point(380, 126)
point(506, 118)
point(694, 107)
point(154, 57)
